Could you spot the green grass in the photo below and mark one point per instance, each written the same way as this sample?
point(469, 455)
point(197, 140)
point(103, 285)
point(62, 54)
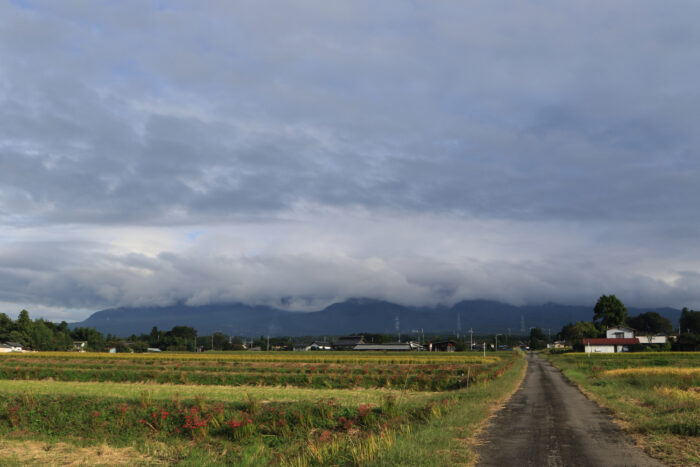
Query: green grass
point(449, 439)
point(658, 403)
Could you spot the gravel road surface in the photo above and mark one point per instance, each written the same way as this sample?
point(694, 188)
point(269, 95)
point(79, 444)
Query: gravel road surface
point(549, 422)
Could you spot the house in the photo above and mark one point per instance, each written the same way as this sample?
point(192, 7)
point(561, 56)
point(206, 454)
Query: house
point(620, 332)
point(319, 346)
point(609, 345)
point(557, 345)
point(11, 347)
point(348, 342)
point(442, 346)
point(390, 347)
point(79, 346)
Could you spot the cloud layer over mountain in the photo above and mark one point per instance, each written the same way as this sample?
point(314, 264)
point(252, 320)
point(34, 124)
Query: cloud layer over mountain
point(297, 154)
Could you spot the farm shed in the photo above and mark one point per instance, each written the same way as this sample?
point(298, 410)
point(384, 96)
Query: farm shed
point(390, 347)
point(313, 346)
point(348, 342)
point(442, 346)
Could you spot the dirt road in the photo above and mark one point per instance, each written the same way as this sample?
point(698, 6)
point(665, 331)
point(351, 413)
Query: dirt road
point(549, 422)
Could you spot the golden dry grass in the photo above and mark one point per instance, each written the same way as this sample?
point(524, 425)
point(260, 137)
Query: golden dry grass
point(289, 357)
point(218, 393)
point(54, 454)
point(653, 371)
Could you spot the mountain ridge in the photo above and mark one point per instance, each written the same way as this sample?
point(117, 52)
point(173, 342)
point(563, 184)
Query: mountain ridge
point(350, 316)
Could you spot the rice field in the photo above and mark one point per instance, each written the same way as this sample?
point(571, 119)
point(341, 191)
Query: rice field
point(325, 372)
point(307, 408)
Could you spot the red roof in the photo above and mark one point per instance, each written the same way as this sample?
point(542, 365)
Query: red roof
point(605, 341)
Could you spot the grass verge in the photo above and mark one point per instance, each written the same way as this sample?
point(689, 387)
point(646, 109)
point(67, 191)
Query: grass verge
point(653, 399)
point(450, 438)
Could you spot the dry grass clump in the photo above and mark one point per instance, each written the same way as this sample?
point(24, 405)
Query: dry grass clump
point(50, 454)
point(654, 371)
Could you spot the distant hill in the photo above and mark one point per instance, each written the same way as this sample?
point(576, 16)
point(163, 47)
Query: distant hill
point(355, 315)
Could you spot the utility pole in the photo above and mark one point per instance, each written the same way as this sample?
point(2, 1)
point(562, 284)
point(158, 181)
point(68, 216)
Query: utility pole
point(471, 340)
point(484, 349)
point(459, 324)
point(497, 341)
point(268, 343)
point(398, 329)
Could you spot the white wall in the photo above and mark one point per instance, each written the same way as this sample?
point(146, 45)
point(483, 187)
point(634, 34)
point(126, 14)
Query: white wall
point(610, 333)
point(652, 339)
point(600, 349)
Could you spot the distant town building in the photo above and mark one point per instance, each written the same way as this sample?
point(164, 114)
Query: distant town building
point(79, 346)
point(442, 346)
point(390, 347)
point(348, 342)
point(10, 347)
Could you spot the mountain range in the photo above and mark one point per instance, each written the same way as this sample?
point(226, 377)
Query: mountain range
point(351, 316)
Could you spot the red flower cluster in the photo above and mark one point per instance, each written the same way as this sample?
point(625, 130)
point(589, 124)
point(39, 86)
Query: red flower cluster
point(243, 421)
point(194, 421)
point(345, 422)
point(364, 410)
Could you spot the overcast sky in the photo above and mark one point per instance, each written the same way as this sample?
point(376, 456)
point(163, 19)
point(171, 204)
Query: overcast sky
point(299, 153)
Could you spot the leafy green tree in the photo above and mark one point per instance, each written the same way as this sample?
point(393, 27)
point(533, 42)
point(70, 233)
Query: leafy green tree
point(609, 311)
point(650, 323)
point(139, 346)
point(537, 339)
point(20, 337)
point(95, 339)
point(24, 322)
point(63, 341)
point(573, 333)
point(220, 341)
point(179, 338)
point(154, 337)
point(41, 337)
point(689, 322)
point(5, 326)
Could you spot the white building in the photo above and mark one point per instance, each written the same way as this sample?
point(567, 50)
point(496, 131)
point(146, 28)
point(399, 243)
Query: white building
point(606, 345)
point(620, 332)
point(657, 339)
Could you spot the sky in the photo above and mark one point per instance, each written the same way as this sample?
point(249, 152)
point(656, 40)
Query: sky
point(296, 154)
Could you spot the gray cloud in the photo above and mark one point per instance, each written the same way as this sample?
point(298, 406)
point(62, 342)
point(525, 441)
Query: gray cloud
point(222, 115)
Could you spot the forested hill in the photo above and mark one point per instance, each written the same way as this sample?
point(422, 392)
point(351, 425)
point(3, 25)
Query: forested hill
point(355, 315)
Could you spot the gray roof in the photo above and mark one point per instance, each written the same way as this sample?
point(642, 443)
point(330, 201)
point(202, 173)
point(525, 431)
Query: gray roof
point(396, 346)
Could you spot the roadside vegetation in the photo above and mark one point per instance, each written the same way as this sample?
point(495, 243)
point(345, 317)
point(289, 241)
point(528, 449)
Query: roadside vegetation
point(656, 396)
point(335, 408)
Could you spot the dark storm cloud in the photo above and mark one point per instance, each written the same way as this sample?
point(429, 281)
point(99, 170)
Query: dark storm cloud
point(201, 113)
